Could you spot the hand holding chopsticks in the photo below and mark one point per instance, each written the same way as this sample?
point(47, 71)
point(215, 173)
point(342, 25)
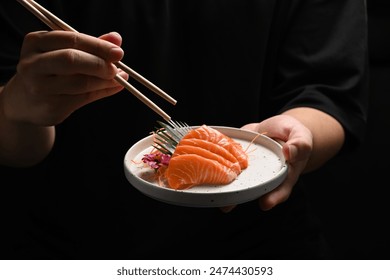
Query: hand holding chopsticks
point(57, 24)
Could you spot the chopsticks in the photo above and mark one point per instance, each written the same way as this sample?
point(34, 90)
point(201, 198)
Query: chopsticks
point(57, 24)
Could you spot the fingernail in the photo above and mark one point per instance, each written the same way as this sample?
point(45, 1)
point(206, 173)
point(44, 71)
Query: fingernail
point(117, 52)
point(116, 34)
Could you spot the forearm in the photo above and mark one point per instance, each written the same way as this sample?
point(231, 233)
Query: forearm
point(22, 144)
point(328, 135)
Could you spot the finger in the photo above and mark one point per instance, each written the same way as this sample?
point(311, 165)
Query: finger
point(112, 37)
point(298, 140)
point(227, 209)
point(54, 40)
point(297, 149)
point(252, 127)
point(69, 62)
point(78, 84)
point(279, 194)
point(63, 105)
point(80, 100)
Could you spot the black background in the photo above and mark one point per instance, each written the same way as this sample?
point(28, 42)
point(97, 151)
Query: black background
point(354, 198)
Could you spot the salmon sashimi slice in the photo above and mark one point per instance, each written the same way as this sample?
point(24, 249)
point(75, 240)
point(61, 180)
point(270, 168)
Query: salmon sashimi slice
point(212, 135)
point(210, 146)
point(188, 170)
point(182, 149)
point(205, 156)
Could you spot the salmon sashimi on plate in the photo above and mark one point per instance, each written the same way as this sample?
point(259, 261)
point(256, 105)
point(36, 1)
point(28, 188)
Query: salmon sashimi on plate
point(205, 156)
point(188, 170)
point(214, 136)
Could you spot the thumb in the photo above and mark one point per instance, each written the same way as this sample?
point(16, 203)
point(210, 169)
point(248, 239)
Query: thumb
point(290, 152)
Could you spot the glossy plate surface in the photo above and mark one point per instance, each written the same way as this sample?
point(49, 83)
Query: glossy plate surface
point(267, 169)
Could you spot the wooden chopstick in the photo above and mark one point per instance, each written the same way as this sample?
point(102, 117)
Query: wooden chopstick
point(56, 23)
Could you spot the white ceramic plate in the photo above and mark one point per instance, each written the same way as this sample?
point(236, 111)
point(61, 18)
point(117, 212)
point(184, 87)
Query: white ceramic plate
point(267, 169)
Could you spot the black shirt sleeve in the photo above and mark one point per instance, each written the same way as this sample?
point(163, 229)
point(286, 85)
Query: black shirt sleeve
point(323, 61)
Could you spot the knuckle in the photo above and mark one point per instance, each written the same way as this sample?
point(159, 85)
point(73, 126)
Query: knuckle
point(70, 57)
point(75, 39)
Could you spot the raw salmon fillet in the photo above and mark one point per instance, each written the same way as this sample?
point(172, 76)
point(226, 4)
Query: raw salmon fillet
point(210, 151)
point(205, 156)
point(212, 135)
point(188, 170)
